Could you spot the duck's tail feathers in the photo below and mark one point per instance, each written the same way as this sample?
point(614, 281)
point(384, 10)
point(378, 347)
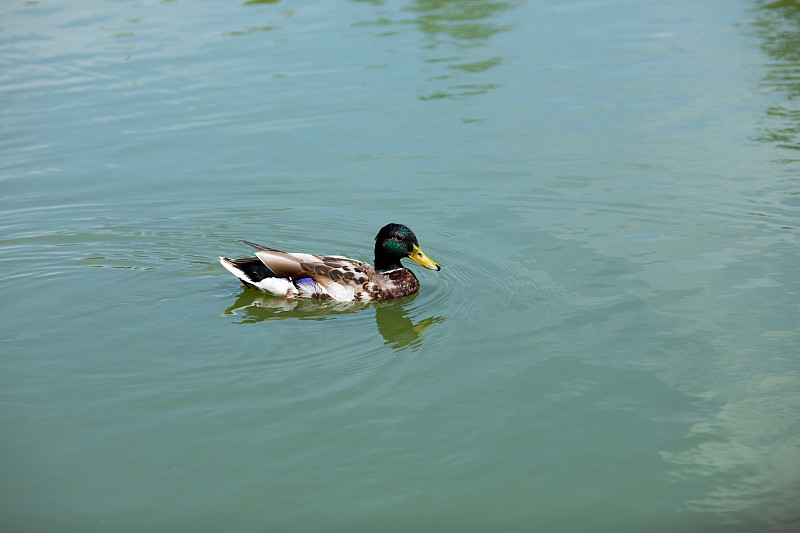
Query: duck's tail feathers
point(259, 247)
point(250, 270)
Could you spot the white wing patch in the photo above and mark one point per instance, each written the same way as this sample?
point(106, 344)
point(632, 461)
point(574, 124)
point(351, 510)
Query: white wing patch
point(339, 292)
point(277, 286)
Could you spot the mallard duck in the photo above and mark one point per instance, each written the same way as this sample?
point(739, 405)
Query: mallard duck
point(333, 277)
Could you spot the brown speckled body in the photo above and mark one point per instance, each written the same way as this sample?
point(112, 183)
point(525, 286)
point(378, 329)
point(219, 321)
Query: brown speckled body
point(376, 285)
point(381, 285)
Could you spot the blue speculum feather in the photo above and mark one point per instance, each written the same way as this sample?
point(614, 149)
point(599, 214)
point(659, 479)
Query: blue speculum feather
point(304, 280)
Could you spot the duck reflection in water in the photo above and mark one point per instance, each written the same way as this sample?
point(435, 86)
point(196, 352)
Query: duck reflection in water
point(394, 318)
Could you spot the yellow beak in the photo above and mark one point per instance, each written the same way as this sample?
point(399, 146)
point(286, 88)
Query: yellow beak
point(419, 256)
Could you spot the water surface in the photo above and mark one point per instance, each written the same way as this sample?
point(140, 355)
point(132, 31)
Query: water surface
point(612, 188)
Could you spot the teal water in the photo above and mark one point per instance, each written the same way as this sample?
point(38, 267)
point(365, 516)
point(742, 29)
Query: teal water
point(612, 187)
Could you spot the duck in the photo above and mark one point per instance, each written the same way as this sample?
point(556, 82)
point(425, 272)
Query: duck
point(334, 277)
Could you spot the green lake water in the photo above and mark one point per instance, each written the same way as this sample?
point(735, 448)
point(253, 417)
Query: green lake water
point(612, 188)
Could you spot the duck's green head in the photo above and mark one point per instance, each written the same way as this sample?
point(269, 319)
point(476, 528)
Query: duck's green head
point(396, 241)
